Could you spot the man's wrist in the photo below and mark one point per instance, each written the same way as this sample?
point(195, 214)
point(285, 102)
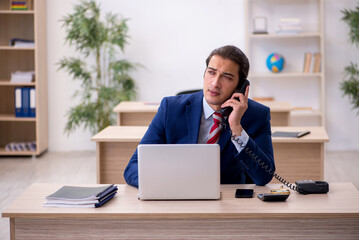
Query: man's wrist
point(237, 131)
point(241, 139)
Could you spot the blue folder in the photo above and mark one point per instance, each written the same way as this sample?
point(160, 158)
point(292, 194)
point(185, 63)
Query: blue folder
point(26, 101)
point(18, 102)
point(32, 104)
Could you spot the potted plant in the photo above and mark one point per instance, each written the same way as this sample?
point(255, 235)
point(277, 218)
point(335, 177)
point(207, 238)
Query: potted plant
point(106, 81)
point(350, 86)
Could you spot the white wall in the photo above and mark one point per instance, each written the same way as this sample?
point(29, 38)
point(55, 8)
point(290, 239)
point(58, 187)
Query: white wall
point(342, 122)
point(172, 39)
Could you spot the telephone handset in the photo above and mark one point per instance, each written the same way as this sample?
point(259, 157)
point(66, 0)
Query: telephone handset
point(227, 110)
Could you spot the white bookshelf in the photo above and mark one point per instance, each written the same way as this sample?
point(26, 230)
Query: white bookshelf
point(303, 90)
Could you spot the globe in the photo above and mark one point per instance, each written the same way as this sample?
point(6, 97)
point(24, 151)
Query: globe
point(275, 62)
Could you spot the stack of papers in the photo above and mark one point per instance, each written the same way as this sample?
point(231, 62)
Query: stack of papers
point(19, 42)
point(81, 197)
point(289, 26)
point(22, 77)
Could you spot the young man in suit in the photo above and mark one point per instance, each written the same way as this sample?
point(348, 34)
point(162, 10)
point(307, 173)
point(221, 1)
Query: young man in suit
point(195, 118)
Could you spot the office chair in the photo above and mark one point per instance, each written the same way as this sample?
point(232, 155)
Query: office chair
point(188, 91)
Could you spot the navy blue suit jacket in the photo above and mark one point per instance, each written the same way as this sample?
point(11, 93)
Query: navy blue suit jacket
point(178, 121)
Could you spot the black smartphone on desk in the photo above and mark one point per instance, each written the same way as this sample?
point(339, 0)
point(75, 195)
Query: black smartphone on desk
point(244, 193)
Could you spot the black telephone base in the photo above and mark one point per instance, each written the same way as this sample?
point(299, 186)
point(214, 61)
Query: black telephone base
point(312, 187)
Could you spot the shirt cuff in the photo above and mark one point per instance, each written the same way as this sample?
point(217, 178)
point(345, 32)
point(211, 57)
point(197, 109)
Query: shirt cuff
point(240, 141)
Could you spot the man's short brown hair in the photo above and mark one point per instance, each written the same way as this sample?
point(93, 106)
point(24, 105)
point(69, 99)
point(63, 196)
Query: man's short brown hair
point(236, 55)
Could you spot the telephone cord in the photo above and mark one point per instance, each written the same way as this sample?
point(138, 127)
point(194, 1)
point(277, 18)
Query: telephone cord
point(262, 164)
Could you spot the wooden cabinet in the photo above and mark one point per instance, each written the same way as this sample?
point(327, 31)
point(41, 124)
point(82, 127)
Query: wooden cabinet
point(305, 91)
point(24, 24)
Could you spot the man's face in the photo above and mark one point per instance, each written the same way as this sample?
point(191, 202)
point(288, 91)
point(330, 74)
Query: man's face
point(220, 81)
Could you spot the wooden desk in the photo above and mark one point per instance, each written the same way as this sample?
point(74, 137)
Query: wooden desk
point(115, 146)
point(325, 216)
point(298, 158)
point(279, 111)
point(141, 113)
point(135, 113)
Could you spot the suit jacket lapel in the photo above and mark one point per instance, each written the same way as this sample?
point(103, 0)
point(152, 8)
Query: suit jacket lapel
point(193, 115)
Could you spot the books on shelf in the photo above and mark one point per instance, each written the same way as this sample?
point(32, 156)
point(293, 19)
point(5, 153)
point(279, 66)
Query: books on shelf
point(18, 5)
point(312, 62)
point(81, 197)
point(317, 62)
point(22, 76)
point(20, 146)
point(289, 26)
point(25, 102)
point(307, 62)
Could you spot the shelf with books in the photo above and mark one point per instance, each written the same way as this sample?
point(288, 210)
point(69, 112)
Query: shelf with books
point(17, 5)
point(23, 66)
point(17, 132)
point(293, 29)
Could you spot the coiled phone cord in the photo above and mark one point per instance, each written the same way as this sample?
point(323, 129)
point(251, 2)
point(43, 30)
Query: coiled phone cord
point(262, 164)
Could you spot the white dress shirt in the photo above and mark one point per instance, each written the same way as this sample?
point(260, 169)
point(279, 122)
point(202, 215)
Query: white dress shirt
point(206, 124)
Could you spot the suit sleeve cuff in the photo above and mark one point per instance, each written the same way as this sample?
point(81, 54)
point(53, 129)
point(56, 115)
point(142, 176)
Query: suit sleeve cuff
point(240, 141)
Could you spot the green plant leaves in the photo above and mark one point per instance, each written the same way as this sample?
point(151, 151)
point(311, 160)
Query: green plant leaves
point(351, 17)
point(105, 83)
point(350, 85)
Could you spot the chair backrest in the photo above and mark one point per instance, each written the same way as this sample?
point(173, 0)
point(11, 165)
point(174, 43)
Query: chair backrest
point(189, 91)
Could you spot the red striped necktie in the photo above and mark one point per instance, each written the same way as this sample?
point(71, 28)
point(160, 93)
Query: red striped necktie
point(215, 131)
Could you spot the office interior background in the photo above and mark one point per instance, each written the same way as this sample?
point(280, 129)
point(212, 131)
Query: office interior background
point(172, 40)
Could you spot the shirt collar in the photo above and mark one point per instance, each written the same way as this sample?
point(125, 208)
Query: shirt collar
point(207, 110)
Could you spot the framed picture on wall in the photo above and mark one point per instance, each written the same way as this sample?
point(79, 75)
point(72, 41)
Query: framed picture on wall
point(260, 25)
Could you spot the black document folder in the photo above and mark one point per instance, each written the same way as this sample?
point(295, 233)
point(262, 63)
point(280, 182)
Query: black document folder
point(290, 134)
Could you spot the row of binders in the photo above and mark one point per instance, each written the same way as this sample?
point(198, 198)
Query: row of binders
point(312, 62)
point(81, 197)
point(25, 102)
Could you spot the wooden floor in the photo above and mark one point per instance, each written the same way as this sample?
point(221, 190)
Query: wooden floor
point(16, 174)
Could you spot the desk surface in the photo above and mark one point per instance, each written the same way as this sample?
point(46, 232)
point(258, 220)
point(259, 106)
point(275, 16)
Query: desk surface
point(129, 106)
point(341, 201)
point(135, 133)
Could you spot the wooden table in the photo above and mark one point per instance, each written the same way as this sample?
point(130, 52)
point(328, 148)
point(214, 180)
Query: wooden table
point(324, 216)
point(297, 158)
point(300, 158)
point(142, 113)
point(115, 146)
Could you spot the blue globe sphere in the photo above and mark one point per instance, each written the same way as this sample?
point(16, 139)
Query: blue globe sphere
point(275, 62)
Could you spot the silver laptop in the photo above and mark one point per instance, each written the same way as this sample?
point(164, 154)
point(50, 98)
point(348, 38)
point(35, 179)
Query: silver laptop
point(178, 171)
